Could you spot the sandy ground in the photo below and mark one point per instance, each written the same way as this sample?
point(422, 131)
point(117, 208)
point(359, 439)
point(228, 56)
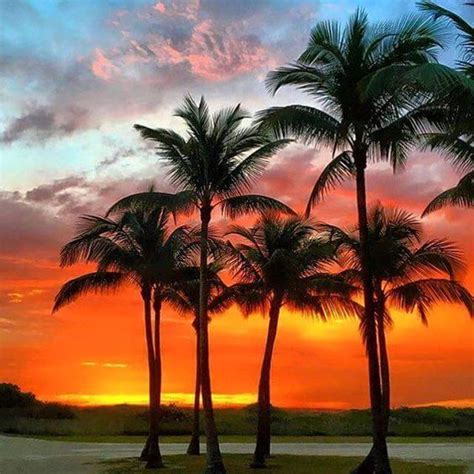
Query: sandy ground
point(33, 456)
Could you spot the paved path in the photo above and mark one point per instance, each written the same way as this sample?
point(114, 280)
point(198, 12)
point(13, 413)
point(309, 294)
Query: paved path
point(34, 456)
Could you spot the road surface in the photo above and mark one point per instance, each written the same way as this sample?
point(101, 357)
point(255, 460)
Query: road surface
point(33, 456)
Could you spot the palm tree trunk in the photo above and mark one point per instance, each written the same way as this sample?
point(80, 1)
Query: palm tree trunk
point(154, 459)
point(367, 466)
point(262, 448)
point(149, 448)
point(215, 464)
point(194, 448)
point(380, 451)
point(384, 362)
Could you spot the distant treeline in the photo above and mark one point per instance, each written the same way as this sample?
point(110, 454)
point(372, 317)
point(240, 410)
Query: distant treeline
point(22, 413)
point(14, 403)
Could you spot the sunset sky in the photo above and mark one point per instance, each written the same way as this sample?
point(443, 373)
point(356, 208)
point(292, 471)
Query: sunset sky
point(75, 76)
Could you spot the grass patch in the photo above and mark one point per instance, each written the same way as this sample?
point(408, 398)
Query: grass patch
point(125, 420)
point(251, 439)
point(237, 463)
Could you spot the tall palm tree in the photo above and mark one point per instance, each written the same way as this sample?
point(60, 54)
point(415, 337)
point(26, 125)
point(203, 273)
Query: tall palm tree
point(408, 273)
point(281, 262)
point(455, 138)
point(213, 165)
point(138, 248)
point(370, 82)
point(184, 297)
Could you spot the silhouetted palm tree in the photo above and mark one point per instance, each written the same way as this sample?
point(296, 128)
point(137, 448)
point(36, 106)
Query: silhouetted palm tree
point(281, 262)
point(407, 273)
point(184, 296)
point(213, 165)
point(136, 248)
point(455, 137)
point(370, 81)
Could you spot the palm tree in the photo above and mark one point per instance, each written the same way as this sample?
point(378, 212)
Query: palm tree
point(136, 248)
point(282, 263)
point(407, 273)
point(184, 297)
point(370, 82)
point(455, 138)
point(213, 165)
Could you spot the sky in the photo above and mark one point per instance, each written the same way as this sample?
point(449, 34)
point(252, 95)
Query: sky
point(75, 77)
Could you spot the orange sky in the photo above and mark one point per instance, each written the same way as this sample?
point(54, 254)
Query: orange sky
point(93, 352)
point(75, 80)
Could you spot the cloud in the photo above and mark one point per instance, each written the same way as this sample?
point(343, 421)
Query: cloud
point(217, 55)
point(40, 123)
point(26, 229)
point(124, 63)
point(101, 66)
point(51, 191)
point(214, 51)
point(120, 154)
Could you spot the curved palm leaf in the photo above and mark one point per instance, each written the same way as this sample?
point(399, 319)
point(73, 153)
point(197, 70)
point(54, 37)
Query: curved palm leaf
point(302, 122)
point(252, 203)
point(97, 282)
point(421, 295)
point(461, 195)
point(336, 172)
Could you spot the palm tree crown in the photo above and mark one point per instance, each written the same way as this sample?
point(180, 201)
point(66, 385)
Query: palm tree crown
point(282, 258)
point(411, 274)
point(454, 138)
point(136, 247)
point(216, 162)
point(368, 80)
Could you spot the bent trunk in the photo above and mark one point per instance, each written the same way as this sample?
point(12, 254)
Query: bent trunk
point(262, 447)
point(380, 452)
point(154, 459)
point(367, 466)
point(149, 450)
point(384, 363)
point(193, 447)
point(215, 464)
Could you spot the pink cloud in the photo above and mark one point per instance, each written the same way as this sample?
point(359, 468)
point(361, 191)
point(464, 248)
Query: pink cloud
point(160, 6)
point(101, 66)
point(209, 49)
point(179, 8)
point(216, 55)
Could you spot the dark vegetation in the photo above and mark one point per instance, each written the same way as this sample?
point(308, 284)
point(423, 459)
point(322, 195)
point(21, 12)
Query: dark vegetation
point(15, 404)
point(21, 413)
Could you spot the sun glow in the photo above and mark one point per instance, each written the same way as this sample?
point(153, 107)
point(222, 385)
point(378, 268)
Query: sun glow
point(182, 399)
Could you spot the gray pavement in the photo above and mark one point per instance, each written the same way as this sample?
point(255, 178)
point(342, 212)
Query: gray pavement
point(20, 455)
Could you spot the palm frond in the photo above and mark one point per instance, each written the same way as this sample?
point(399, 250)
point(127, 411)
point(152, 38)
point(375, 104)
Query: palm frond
point(461, 195)
point(421, 295)
point(97, 282)
point(301, 122)
point(250, 168)
point(336, 172)
point(466, 33)
point(457, 149)
point(252, 203)
point(437, 255)
point(180, 202)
